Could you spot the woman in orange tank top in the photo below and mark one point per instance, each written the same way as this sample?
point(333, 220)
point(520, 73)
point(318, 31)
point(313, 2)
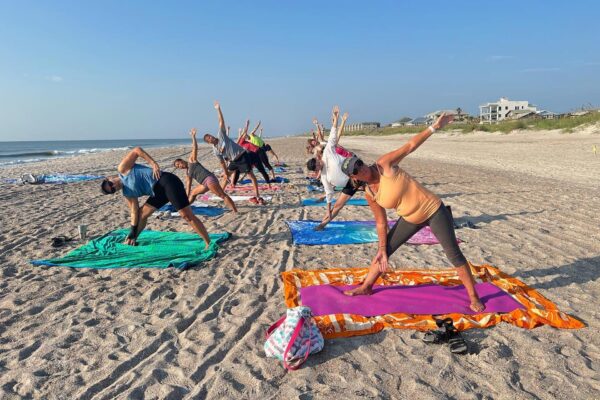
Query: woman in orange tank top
point(390, 187)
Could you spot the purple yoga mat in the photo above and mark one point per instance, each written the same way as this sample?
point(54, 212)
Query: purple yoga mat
point(419, 299)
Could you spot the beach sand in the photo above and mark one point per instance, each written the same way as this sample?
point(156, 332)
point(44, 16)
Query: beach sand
point(78, 333)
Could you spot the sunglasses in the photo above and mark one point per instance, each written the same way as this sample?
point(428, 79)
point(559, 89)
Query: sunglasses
point(111, 187)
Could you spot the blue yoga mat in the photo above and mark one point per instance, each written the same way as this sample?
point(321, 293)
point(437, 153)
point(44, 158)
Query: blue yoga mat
point(351, 202)
point(343, 232)
point(198, 210)
point(56, 179)
point(278, 179)
point(349, 232)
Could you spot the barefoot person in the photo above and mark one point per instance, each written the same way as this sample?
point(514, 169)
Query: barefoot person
point(390, 187)
point(239, 160)
point(263, 147)
point(255, 150)
point(330, 167)
point(206, 179)
point(163, 187)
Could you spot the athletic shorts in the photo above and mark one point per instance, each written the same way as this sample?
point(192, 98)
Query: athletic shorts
point(242, 164)
point(168, 189)
point(210, 179)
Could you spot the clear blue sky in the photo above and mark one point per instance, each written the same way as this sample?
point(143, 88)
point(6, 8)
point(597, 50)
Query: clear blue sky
point(127, 69)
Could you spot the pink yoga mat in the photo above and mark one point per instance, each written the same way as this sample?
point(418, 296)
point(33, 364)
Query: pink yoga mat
point(249, 188)
point(419, 299)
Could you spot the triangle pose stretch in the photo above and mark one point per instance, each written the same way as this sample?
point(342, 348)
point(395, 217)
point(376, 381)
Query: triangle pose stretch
point(328, 160)
point(137, 180)
point(205, 178)
point(255, 144)
point(389, 187)
point(234, 158)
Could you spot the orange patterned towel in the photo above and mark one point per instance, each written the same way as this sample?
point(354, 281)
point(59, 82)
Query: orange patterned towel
point(538, 310)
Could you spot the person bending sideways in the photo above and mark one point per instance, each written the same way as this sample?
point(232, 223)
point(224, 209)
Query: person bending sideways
point(206, 179)
point(259, 156)
point(330, 167)
point(389, 187)
point(137, 180)
point(239, 160)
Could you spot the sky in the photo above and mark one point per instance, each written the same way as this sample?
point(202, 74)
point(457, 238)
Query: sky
point(139, 69)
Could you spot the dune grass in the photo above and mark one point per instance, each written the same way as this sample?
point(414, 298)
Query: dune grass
point(568, 124)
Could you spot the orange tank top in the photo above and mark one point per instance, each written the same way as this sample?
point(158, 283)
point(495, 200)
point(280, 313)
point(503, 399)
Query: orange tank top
point(408, 197)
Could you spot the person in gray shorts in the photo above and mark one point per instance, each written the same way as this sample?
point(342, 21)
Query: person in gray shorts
point(238, 159)
point(206, 179)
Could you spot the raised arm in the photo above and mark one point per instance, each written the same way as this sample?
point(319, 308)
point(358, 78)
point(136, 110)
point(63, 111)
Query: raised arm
point(194, 155)
point(129, 161)
point(222, 129)
point(261, 133)
point(245, 130)
point(321, 132)
point(388, 161)
point(255, 129)
point(335, 115)
point(228, 129)
point(344, 118)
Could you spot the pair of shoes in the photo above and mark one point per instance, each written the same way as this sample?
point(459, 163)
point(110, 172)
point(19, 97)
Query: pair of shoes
point(447, 334)
point(59, 241)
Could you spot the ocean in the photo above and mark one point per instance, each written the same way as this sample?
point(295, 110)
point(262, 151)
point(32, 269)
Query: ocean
point(12, 153)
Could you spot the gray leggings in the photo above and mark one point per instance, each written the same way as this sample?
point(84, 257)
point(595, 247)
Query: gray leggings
point(442, 226)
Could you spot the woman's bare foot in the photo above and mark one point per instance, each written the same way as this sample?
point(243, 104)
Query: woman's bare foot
point(477, 305)
point(359, 291)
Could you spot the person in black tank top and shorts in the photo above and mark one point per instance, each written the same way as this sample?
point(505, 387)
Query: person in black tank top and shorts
point(206, 179)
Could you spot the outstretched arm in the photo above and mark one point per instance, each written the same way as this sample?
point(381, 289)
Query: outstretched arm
point(134, 208)
point(339, 204)
point(335, 114)
point(388, 161)
point(194, 156)
point(320, 136)
point(129, 161)
point(261, 132)
point(344, 118)
point(382, 230)
point(255, 129)
point(222, 129)
point(228, 129)
point(274, 155)
point(188, 185)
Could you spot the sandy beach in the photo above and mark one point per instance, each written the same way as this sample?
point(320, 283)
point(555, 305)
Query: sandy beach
point(168, 334)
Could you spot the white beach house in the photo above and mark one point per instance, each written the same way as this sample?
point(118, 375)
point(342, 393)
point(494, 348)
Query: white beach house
point(362, 126)
point(498, 111)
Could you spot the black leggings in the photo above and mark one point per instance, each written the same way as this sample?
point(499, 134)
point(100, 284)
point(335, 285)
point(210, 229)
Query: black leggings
point(442, 226)
point(254, 161)
point(168, 189)
point(264, 158)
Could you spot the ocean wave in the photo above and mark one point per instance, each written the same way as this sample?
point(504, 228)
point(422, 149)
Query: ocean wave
point(23, 157)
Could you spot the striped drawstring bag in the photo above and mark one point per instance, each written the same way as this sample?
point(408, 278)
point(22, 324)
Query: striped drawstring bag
point(293, 338)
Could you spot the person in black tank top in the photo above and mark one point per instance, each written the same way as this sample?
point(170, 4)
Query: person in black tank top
point(206, 179)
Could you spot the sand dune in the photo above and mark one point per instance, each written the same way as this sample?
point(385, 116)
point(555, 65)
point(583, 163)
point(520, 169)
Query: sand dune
point(69, 333)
